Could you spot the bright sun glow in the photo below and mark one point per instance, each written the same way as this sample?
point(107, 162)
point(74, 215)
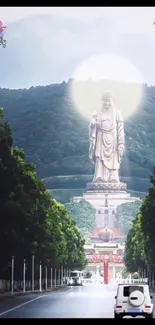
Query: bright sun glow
point(106, 72)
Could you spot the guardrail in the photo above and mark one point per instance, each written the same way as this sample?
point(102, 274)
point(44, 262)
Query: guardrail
point(134, 281)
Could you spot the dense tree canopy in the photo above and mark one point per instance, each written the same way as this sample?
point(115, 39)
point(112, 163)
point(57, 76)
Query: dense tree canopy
point(148, 224)
point(31, 221)
point(86, 234)
point(84, 215)
point(140, 241)
point(134, 248)
point(126, 213)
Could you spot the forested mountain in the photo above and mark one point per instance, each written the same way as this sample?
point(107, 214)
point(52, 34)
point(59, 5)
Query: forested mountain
point(54, 136)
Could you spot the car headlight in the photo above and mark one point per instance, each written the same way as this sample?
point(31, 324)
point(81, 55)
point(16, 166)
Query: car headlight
point(78, 281)
point(71, 281)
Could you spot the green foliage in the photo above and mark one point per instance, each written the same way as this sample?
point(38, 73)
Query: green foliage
point(64, 237)
point(66, 195)
point(125, 274)
point(31, 221)
point(126, 213)
point(85, 233)
point(148, 224)
point(83, 214)
point(54, 136)
point(140, 241)
point(134, 247)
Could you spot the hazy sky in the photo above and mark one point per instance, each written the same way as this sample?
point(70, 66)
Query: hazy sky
point(129, 19)
point(67, 36)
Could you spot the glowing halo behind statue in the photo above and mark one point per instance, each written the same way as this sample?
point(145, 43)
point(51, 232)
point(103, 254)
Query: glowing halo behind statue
point(102, 72)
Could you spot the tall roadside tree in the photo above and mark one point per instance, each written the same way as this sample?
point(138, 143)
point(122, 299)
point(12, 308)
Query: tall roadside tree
point(31, 221)
point(134, 247)
point(24, 201)
point(65, 242)
point(148, 224)
point(140, 241)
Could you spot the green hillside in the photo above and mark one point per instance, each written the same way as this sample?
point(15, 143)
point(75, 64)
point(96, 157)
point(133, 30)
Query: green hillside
point(47, 125)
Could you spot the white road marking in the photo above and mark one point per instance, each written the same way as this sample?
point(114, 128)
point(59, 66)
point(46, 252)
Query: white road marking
point(28, 302)
point(59, 293)
point(25, 303)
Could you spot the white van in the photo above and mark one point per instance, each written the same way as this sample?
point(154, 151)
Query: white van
point(76, 278)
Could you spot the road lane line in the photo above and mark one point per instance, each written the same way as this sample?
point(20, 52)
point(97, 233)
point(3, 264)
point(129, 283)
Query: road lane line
point(25, 303)
point(59, 293)
point(28, 302)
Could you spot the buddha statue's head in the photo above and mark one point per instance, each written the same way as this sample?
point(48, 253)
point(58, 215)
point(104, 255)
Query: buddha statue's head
point(106, 100)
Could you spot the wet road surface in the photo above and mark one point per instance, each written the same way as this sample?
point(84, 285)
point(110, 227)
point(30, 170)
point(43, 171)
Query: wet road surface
point(73, 302)
point(88, 301)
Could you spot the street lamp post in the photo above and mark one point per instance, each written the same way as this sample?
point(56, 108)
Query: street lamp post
point(114, 266)
point(12, 275)
point(24, 269)
point(40, 277)
point(32, 272)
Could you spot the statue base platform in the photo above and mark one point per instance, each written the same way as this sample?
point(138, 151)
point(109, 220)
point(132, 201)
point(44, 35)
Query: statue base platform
point(99, 194)
point(101, 187)
point(105, 198)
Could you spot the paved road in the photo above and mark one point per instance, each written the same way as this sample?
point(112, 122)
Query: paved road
point(73, 302)
point(89, 301)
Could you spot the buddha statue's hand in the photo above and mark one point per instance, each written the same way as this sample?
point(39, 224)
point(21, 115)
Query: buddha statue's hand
point(120, 155)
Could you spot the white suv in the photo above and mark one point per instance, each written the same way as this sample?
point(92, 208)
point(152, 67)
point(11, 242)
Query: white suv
point(133, 300)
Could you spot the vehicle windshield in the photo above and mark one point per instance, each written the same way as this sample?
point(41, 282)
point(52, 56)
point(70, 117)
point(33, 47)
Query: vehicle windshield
point(74, 274)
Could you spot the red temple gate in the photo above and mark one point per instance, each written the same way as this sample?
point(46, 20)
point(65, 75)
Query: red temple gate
point(106, 259)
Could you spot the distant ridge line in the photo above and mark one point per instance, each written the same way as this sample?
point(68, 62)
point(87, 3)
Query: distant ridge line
point(82, 189)
point(71, 176)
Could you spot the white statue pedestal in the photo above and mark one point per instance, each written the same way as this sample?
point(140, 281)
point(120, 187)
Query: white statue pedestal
point(101, 187)
point(105, 198)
